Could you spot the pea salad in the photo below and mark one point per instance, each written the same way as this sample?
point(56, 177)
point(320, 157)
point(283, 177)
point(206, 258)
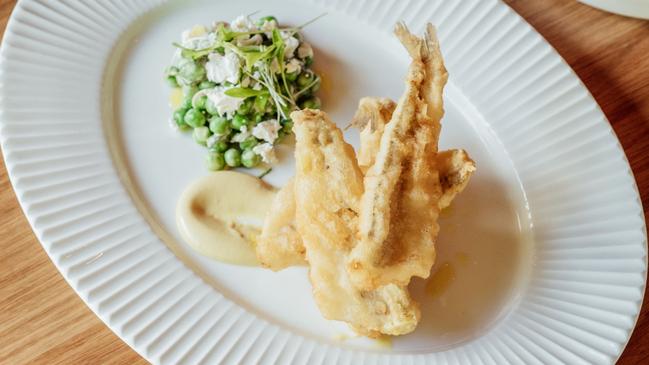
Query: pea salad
point(236, 85)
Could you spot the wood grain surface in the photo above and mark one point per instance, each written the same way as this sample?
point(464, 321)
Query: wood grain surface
point(42, 321)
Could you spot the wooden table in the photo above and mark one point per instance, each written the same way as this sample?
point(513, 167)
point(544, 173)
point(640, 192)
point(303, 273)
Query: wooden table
point(43, 321)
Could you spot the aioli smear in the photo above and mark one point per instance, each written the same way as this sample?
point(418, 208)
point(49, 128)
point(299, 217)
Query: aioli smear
point(221, 215)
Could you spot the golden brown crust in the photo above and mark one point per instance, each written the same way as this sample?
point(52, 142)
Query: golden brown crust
point(399, 208)
point(279, 245)
point(328, 188)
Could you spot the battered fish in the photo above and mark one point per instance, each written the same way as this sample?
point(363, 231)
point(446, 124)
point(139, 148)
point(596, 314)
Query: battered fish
point(280, 246)
point(328, 189)
point(400, 204)
point(371, 117)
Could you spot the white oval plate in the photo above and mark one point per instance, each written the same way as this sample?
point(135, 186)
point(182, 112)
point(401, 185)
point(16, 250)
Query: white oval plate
point(550, 231)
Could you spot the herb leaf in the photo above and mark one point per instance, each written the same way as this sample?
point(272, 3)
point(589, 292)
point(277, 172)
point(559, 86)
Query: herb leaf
point(244, 92)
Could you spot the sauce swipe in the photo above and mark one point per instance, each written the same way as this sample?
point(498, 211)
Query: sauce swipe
point(220, 215)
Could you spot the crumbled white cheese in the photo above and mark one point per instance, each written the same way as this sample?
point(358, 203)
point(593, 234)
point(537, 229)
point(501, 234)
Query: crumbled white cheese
point(223, 68)
point(224, 104)
point(267, 130)
point(293, 66)
point(268, 27)
point(195, 31)
point(211, 141)
point(242, 23)
point(266, 151)
point(198, 38)
point(246, 40)
point(243, 134)
point(256, 76)
point(290, 44)
point(305, 51)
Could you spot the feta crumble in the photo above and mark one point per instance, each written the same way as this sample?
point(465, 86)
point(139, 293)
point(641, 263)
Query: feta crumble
point(268, 27)
point(266, 152)
point(267, 130)
point(223, 68)
point(293, 66)
point(242, 23)
point(290, 44)
point(211, 141)
point(246, 40)
point(198, 38)
point(243, 134)
point(224, 104)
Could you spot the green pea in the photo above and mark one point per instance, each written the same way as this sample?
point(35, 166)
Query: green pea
point(305, 78)
point(233, 157)
point(179, 115)
point(250, 159)
point(239, 121)
point(220, 126)
point(246, 106)
point(215, 161)
point(187, 103)
point(194, 118)
point(260, 103)
point(200, 102)
point(201, 134)
point(268, 18)
point(205, 84)
point(171, 80)
point(292, 76)
point(310, 103)
point(248, 143)
point(210, 108)
point(191, 71)
point(220, 146)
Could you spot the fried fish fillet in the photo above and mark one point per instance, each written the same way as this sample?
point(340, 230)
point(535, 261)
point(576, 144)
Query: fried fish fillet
point(455, 167)
point(280, 246)
point(400, 204)
point(328, 188)
point(371, 117)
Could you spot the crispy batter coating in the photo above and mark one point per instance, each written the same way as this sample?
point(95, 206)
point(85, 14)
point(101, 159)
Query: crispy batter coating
point(455, 170)
point(399, 208)
point(367, 224)
point(328, 189)
point(371, 117)
point(280, 246)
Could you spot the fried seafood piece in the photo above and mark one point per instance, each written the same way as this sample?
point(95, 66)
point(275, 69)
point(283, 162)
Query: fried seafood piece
point(455, 169)
point(372, 115)
point(280, 246)
point(328, 188)
point(399, 207)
